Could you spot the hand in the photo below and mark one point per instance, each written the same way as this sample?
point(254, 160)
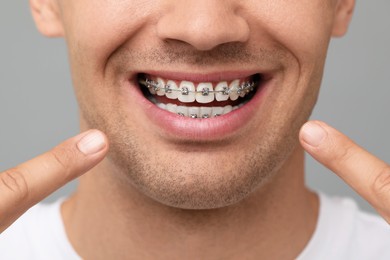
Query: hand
point(30, 182)
point(365, 173)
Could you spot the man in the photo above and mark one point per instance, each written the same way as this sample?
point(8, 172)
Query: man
point(202, 103)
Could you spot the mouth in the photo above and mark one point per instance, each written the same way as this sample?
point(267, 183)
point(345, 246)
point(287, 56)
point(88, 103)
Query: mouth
point(200, 100)
point(199, 107)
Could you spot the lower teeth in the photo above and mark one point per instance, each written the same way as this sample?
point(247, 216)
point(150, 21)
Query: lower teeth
point(197, 112)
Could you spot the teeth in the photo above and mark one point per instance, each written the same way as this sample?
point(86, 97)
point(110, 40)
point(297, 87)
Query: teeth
point(234, 86)
point(217, 111)
point(173, 93)
point(171, 108)
point(181, 110)
point(162, 106)
point(223, 91)
point(243, 93)
point(193, 112)
point(205, 112)
point(227, 109)
point(187, 94)
point(197, 112)
point(204, 93)
point(152, 90)
point(161, 83)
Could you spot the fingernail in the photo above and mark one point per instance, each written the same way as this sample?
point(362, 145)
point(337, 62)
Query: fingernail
point(313, 134)
point(92, 143)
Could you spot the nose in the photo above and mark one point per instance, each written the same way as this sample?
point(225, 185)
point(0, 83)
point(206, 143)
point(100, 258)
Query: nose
point(204, 24)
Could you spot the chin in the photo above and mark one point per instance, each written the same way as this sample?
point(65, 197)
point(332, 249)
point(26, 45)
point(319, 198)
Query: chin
point(211, 181)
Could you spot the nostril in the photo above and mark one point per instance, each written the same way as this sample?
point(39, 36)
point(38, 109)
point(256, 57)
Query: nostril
point(202, 26)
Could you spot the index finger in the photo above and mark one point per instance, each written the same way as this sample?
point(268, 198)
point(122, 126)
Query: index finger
point(30, 182)
point(365, 173)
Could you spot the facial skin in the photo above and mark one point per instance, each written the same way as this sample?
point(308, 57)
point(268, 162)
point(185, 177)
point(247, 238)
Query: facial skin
point(243, 169)
point(110, 42)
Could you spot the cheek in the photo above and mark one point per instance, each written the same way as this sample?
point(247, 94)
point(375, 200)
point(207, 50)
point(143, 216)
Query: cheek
point(95, 31)
point(303, 27)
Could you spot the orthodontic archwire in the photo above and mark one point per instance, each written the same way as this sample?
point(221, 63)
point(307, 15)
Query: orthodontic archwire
point(155, 86)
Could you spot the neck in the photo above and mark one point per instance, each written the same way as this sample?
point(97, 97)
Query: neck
point(104, 222)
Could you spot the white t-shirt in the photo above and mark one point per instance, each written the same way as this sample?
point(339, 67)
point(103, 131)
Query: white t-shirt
point(342, 233)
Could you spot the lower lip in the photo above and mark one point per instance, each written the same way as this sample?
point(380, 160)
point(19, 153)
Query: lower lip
point(178, 127)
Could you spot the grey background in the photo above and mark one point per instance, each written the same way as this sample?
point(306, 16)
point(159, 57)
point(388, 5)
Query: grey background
point(38, 109)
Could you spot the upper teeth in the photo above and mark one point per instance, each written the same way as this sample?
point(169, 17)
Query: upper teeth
point(204, 92)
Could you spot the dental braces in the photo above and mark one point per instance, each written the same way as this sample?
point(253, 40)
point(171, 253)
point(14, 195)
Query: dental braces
point(195, 116)
point(245, 87)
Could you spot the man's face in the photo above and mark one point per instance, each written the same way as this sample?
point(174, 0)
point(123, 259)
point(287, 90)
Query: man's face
point(249, 71)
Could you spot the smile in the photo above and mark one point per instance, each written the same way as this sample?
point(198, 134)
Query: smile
point(198, 107)
point(199, 100)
